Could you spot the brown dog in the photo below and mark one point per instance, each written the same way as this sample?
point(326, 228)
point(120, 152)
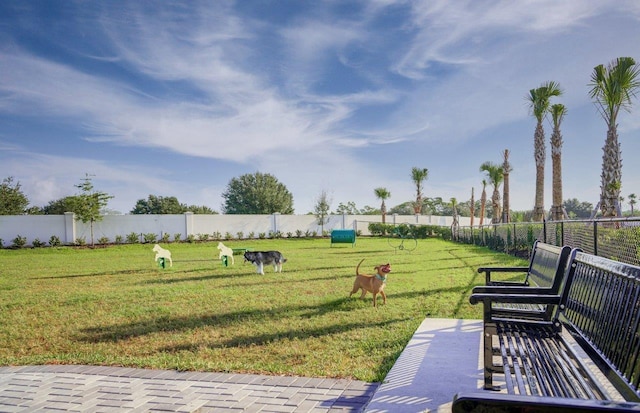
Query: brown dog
point(372, 283)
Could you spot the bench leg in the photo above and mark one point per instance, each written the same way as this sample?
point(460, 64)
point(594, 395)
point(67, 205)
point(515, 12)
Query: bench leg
point(489, 332)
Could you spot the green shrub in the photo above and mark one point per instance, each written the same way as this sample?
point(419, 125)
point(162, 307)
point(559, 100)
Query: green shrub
point(379, 229)
point(176, 237)
point(299, 233)
point(240, 234)
point(132, 238)
point(19, 241)
point(203, 237)
point(165, 237)
point(421, 231)
point(37, 243)
point(404, 230)
point(445, 233)
point(252, 235)
point(262, 235)
point(119, 239)
point(150, 238)
point(103, 240)
point(191, 238)
point(530, 235)
point(80, 241)
point(54, 241)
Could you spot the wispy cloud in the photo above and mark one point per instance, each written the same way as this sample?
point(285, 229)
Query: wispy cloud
point(463, 35)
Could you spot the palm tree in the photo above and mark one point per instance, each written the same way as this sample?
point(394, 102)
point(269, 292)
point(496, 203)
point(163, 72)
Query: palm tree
point(418, 176)
point(506, 169)
point(483, 200)
point(558, 112)
point(612, 88)
point(382, 193)
point(539, 105)
point(454, 208)
point(495, 174)
point(632, 201)
point(472, 207)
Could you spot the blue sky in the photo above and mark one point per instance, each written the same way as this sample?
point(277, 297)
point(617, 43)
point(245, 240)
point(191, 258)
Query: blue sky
point(177, 98)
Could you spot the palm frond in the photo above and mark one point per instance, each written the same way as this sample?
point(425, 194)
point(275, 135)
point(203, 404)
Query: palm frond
point(612, 87)
point(558, 112)
point(539, 99)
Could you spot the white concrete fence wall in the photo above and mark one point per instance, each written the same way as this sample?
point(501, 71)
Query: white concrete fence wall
point(68, 229)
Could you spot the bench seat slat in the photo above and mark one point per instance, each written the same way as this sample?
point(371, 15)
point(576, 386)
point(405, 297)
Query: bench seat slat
point(541, 355)
point(505, 364)
point(540, 365)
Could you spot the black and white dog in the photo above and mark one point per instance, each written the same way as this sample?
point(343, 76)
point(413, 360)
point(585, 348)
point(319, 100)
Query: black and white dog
point(260, 258)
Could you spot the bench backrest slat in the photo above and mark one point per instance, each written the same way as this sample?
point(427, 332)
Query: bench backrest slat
point(547, 265)
point(601, 308)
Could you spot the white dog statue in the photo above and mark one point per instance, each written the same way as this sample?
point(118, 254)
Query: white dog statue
point(225, 251)
point(162, 253)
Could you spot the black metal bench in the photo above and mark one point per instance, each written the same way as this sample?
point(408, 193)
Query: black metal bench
point(544, 274)
point(587, 358)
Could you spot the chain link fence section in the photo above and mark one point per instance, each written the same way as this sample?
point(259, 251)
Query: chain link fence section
point(617, 238)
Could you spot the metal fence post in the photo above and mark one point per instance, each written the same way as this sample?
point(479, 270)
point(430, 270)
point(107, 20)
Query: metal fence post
point(595, 237)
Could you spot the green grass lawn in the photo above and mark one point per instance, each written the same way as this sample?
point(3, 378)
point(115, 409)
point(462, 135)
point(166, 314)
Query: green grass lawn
point(114, 306)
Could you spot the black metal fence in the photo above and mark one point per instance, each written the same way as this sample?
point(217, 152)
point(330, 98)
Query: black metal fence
point(616, 238)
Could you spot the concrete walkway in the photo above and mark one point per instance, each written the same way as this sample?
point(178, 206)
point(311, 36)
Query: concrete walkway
point(441, 359)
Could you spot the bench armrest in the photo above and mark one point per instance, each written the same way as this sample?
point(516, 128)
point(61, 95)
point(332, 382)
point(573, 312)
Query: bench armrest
point(503, 269)
point(515, 298)
point(500, 402)
point(489, 270)
point(507, 283)
point(504, 289)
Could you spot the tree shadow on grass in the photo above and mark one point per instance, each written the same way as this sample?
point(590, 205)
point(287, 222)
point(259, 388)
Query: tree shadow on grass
point(260, 283)
point(118, 332)
point(93, 274)
point(198, 278)
point(259, 280)
point(355, 250)
point(293, 334)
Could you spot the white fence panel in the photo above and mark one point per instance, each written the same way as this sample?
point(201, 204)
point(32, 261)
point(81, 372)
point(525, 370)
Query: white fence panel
point(69, 230)
point(232, 224)
point(113, 225)
point(41, 227)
